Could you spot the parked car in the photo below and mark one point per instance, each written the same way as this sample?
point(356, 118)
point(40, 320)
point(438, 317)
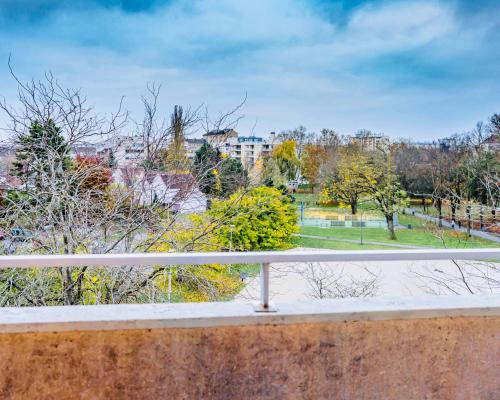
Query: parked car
point(20, 235)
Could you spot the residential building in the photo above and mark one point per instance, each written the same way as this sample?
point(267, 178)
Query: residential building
point(222, 139)
point(124, 150)
point(192, 146)
point(492, 143)
point(177, 192)
point(247, 149)
point(369, 141)
point(83, 150)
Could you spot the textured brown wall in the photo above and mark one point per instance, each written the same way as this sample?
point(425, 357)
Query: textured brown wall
point(452, 358)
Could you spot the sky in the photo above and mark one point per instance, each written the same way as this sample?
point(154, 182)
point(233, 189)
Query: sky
point(419, 69)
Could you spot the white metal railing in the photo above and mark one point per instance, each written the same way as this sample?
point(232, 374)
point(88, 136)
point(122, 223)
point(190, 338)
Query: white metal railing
point(263, 257)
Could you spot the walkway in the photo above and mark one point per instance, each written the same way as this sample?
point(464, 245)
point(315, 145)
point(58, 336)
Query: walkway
point(473, 232)
point(403, 246)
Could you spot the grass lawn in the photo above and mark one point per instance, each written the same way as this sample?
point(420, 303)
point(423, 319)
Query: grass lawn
point(251, 270)
point(419, 236)
point(334, 245)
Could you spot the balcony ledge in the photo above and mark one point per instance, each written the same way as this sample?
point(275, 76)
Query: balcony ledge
point(199, 315)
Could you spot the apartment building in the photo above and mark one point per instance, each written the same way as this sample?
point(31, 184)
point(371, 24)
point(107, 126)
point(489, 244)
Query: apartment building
point(125, 150)
point(369, 141)
point(247, 149)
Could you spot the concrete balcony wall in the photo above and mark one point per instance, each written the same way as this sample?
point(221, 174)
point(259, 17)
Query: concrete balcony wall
point(432, 348)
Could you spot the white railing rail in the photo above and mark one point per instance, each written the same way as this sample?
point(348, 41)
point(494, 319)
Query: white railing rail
point(263, 257)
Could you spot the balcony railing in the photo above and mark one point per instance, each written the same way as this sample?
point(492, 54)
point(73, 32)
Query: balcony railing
point(264, 258)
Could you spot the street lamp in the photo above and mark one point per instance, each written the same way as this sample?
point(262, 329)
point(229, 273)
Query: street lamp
point(361, 226)
point(231, 238)
point(231, 227)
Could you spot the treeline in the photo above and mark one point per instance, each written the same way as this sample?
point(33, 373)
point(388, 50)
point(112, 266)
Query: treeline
point(462, 171)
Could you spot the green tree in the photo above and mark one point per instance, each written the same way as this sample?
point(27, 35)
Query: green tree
point(217, 174)
point(205, 160)
point(286, 158)
point(42, 152)
point(387, 193)
point(262, 219)
point(354, 176)
point(494, 126)
point(176, 157)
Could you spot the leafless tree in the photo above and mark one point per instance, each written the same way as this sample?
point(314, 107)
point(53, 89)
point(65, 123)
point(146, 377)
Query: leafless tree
point(460, 277)
point(65, 209)
point(333, 281)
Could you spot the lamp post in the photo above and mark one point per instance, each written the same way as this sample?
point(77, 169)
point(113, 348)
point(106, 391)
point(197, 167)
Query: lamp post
point(231, 227)
point(361, 227)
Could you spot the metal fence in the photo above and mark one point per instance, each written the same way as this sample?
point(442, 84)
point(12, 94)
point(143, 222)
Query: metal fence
point(264, 258)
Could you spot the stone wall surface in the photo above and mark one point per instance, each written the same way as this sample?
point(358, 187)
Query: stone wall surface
point(439, 358)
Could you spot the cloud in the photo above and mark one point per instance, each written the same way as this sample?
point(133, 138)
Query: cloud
point(344, 65)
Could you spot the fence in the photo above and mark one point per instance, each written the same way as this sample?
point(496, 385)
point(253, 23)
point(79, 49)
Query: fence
point(264, 258)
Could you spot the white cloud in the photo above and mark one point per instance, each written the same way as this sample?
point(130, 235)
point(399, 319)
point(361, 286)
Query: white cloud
point(297, 66)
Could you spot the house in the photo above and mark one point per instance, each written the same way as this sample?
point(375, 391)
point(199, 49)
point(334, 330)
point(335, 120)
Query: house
point(492, 143)
point(9, 182)
point(137, 181)
point(178, 192)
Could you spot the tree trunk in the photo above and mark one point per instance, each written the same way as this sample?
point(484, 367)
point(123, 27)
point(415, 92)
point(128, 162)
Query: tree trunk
point(423, 203)
point(354, 207)
point(390, 226)
point(439, 206)
point(481, 220)
point(468, 221)
point(453, 210)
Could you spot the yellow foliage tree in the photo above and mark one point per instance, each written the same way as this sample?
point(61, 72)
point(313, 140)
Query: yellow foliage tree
point(285, 155)
point(354, 176)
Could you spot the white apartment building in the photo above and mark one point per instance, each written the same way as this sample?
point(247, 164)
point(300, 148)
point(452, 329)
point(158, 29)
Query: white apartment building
point(125, 150)
point(247, 149)
point(369, 141)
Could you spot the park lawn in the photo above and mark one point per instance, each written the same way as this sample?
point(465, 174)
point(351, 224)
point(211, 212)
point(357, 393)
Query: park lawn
point(417, 237)
point(335, 245)
point(415, 222)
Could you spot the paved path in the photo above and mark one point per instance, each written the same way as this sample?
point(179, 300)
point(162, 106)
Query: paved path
point(294, 281)
point(337, 239)
point(473, 232)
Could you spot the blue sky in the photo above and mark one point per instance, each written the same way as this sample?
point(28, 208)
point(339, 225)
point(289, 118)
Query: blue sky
point(417, 69)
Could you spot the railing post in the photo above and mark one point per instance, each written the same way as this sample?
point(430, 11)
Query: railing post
point(264, 305)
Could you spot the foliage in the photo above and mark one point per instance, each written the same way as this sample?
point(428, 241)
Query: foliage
point(93, 176)
point(262, 219)
point(286, 159)
point(355, 175)
point(206, 282)
point(271, 174)
point(311, 161)
point(387, 193)
point(42, 151)
point(219, 176)
point(176, 160)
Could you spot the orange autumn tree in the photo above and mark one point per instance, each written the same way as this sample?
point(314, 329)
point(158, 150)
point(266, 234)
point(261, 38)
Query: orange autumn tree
point(312, 158)
point(92, 175)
